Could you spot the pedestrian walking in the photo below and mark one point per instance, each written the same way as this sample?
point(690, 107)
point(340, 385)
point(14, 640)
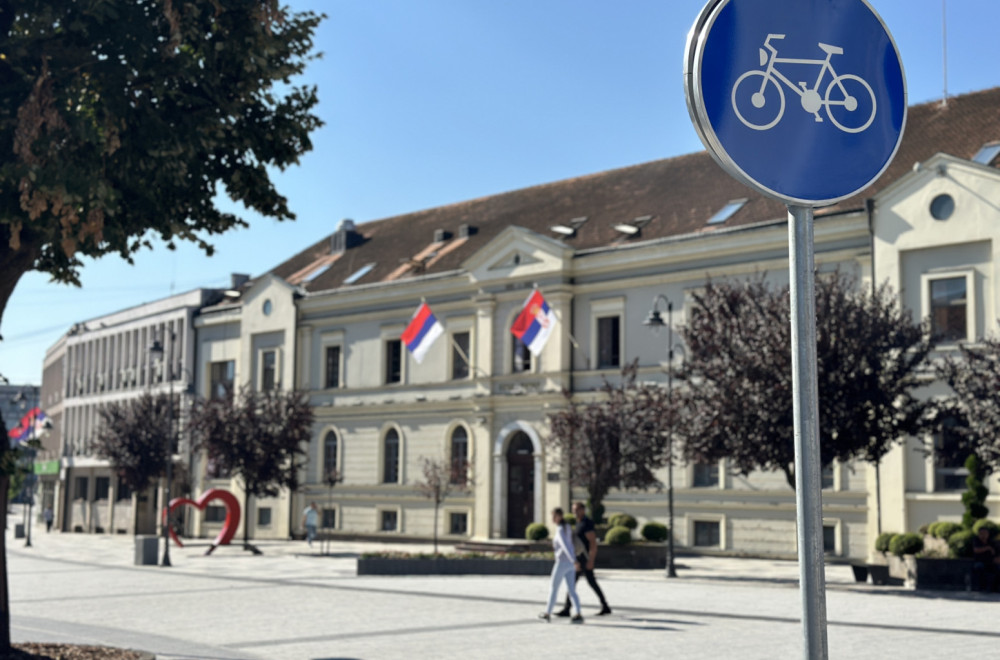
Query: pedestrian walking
point(563, 568)
point(310, 520)
point(586, 549)
point(47, 514)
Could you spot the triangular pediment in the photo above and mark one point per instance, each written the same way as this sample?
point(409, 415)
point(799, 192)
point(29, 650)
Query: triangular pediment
point(518, 252)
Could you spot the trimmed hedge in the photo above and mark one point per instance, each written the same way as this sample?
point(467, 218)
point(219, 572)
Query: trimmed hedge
point(906, 544)
point(536, 532)
point(960, 543)
point(655, 532)
point(989, 524)
point(623, 520)
point(570, 519)
point(882, 542)
point(944, 529)
point(619, 535)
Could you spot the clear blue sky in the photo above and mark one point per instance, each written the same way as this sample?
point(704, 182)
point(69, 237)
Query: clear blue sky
point(433, 102)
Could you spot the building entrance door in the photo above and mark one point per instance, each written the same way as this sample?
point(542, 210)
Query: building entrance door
point(520, 485)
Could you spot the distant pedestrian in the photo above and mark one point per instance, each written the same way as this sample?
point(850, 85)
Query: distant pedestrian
point(586, 555)
point(310, 520)
point(986, 568)
point(47, 514)
point(562, 570)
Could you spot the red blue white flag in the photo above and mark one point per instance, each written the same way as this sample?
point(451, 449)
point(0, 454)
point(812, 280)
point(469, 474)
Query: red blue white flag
point(31, 426)
point(423, 329)
point(535, 323)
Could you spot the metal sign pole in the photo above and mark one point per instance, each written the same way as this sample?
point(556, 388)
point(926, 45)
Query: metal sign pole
point(805, 398)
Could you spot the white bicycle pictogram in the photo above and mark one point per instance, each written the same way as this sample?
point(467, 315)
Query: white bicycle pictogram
point(842, 93)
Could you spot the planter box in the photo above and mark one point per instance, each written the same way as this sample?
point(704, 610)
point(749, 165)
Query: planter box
point(904, 568)
point(944, 574)
point(635, 556)
point(879, 573)
point(429, 566)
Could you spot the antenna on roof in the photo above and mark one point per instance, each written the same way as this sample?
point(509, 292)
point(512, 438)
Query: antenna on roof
point(944, 50)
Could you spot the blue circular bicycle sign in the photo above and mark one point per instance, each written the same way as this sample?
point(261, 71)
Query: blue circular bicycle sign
point(804, 100)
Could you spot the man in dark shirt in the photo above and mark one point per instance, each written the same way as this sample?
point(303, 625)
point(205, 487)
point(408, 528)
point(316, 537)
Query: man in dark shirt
point(987, 564)
point(585, 560)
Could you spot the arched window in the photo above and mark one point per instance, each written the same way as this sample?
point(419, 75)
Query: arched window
point(521, 356)
point(329, 456)
point(459, 455)
point(390, 457)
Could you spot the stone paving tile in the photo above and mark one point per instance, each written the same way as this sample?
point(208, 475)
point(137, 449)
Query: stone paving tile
point(292, 603)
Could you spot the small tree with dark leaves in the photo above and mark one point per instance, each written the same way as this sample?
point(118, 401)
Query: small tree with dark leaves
point(440, 479)
point(134, 435)
point(973, 412)
point(259, 437)
point(737, 393)
point(617, 440)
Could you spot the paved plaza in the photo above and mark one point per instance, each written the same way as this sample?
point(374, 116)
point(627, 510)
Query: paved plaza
point(292, 602)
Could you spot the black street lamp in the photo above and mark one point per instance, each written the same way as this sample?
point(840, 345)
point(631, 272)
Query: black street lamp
point(655, 323)
point(156, 354)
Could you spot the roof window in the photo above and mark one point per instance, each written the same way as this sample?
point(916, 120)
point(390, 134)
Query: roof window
point(633, 227)
point(569, 229)
point(726, 211)
point(361, 272)
point(987, 153)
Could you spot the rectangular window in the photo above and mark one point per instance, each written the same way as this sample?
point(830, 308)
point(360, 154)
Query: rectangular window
point(268, 370)
point(124, 492)
point(393, 361)
point(329, 518)
point(705, 475)
point(102, 486)
point(949, 302)
point(332, 367)
point(949, 461)
point(522, 356)
point(389, 521)
point(221, 376)
point(264, 516)
point(826, 478)
point(829, 538)
point(706, 534)
point(458, 523)
point(215, 514)
point(608, 342)
point(80, 491)
point(460, 356)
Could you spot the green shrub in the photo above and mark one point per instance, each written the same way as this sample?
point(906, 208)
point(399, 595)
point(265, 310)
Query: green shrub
point(992, 526)
point(945, 529)
point(570, 519)
point(906, 544)
point(601, 530)
point(618, 536)
point(536, 532)
point(925, 529)
point(882, 542)
point(974, 498)
point(960, 543)
point(655, 532)
point(622, 520)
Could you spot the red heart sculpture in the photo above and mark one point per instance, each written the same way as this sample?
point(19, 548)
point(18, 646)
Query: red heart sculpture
point(232, 513)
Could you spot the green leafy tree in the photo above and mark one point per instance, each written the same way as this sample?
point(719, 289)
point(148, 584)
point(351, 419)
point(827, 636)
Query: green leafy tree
point(259, 437)
point(617, 440)
point(737, 392)
point(121, 120)
point(974, 498)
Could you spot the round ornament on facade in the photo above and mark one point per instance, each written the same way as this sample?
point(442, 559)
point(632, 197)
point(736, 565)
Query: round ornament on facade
point(942, 206)
point(267, 307)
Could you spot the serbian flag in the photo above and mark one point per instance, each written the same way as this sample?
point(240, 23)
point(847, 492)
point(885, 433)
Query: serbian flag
point(32, 425)
point(423, 329)
point(535, 322)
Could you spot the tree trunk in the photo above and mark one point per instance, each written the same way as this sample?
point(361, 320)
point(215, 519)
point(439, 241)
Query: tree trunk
point(437, 505)
point(4, 595)
point(246, 517)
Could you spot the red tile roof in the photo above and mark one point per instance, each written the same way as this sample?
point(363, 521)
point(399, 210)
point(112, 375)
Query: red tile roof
point(680, 194)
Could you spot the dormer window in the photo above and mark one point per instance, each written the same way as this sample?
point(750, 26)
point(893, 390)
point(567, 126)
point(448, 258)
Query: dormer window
point(569, 229)
point(987, 153)
point(358, 274)
point(726, 211)
point(634, 226)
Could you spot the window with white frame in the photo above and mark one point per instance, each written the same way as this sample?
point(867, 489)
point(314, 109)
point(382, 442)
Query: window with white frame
point(950, 454)
point(606, 345)
point(458, 522)
point(330, 442)
point(221, 376)
point(459, 455)
point(949, 302)
point(390, 457)
point(331, 360)
point(460, 346)
point(388, 520)
point(393, 361)
point(707, 534)
point(268, 370)
point(521, 356)
point(705, 475)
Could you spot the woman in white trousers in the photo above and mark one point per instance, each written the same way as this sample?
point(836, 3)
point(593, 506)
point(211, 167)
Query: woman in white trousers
point(564, 569)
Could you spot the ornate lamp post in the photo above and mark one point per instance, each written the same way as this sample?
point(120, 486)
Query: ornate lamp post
point(655, 323)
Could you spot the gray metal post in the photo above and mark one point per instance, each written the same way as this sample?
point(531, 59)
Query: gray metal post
point(805, 397)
